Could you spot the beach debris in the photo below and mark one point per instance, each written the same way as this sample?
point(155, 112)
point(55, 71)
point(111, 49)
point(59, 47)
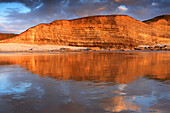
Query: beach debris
point(153, 47)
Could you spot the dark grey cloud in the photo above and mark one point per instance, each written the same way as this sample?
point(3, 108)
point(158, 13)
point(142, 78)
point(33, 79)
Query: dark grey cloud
point(28, 3)
point(42, 11)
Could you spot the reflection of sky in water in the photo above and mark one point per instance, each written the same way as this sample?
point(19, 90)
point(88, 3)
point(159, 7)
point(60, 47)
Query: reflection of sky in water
point(6, 87)
point(11, 85)
point(117, 97)
point(144, 95)
point(145, 101)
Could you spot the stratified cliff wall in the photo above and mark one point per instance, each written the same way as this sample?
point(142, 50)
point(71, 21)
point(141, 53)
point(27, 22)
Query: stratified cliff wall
point(101, 31)
point(160, 26)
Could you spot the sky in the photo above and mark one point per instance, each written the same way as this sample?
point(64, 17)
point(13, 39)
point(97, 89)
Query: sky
point(17, 16)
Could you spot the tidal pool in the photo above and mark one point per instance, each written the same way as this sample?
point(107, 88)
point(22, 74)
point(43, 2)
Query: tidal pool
point(92, 82)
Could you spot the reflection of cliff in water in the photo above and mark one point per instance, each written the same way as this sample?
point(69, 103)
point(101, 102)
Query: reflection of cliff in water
point(5, 63)
point(110, 67)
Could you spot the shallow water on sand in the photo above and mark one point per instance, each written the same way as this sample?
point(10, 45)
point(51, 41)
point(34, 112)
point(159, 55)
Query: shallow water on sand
point(90, 82)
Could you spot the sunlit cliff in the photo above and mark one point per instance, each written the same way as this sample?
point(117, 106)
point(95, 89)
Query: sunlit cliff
point(101, 31)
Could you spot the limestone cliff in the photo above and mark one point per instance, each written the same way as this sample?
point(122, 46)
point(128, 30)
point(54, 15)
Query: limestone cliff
point(160, 26)
point(102, 31)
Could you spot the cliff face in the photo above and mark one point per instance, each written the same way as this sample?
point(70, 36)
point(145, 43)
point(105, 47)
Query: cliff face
point(102, 31)
point(160, 26)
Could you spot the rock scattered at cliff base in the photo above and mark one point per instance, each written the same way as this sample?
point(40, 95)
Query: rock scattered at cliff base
point(16, 47)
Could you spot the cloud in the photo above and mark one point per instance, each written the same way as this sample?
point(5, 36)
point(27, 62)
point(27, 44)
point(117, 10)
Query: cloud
point(2, 19)
point(45, 11)
point(3, 25)
point(153, 4)
point(100, 9)
point(119, 1)
point(10, 31)
point(122, 8)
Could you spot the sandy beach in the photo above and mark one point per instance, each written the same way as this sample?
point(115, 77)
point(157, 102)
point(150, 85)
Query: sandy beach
point(14, 47)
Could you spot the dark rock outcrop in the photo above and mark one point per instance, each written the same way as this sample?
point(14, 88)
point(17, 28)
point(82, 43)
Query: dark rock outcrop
point(4, 36)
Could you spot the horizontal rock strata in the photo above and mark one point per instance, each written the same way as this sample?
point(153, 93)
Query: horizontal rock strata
point(113, 31)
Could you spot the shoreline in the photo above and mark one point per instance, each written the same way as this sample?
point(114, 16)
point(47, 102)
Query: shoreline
point(71, 52)
point(17, 47)
point(33, 48)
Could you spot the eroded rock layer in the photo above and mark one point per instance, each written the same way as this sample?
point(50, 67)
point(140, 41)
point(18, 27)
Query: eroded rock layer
point(101, 31)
